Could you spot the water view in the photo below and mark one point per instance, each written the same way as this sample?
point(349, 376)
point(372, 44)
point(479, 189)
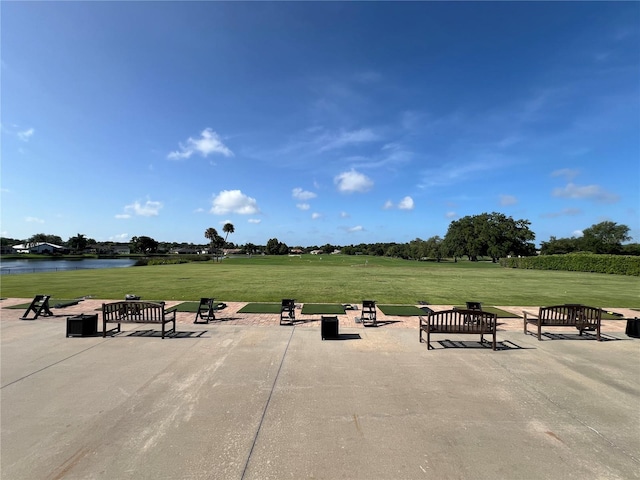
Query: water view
point(32, 265)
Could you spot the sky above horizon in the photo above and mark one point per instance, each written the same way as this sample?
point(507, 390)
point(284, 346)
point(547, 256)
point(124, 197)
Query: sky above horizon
point(317, 122)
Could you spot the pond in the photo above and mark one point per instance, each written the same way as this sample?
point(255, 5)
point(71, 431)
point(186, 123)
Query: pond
point(36, 265)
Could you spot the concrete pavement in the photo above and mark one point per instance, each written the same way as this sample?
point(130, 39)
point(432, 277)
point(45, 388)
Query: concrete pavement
point(229, 401)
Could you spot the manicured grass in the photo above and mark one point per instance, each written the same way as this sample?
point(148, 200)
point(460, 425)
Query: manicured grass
point(401, 310)
point(322, 309)
point(334, 279)
point(261, 308)
point(53, 303)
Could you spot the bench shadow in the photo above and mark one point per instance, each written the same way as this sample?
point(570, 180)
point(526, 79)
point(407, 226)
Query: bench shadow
point(586, 336)
point(505, 345)
point(218, 320)
point(380, 323)
point(158, 334)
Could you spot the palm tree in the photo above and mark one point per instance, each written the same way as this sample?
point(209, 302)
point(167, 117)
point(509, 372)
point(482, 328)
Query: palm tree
point(212, 235)
point(228, 228)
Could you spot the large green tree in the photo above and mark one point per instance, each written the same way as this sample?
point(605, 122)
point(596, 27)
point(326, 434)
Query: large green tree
point(489, 234)
point(43, 237)
point(144, 244)
point(605, 237)
point(78, 243)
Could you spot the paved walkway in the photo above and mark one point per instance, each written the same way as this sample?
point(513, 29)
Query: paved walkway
point(245, 399)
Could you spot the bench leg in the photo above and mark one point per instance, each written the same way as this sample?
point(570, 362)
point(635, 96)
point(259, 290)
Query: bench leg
point(539, 331)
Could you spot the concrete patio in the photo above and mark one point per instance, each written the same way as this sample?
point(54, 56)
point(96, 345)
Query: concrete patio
point(244, 398)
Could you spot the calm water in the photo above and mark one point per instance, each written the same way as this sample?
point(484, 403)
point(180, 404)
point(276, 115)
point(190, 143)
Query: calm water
point(31, 266)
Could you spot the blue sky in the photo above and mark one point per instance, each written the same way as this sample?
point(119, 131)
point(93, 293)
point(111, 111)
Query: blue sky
point(316, 123)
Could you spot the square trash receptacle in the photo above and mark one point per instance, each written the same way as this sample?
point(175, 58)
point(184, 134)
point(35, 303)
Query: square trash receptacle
point(329, 327)
point(82, 325)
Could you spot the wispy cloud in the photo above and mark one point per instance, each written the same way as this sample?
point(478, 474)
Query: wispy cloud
point(353, 182)
point(589, 192)
point(348, 138)
point(25, 135)
point(208, 143)
point(506, 200)
point(303, 206)
point(451, 215)
point(570, 212)
point(234, 201)
point(567, 173)
point(254, 220)
point(33, 220)
point(316, 216)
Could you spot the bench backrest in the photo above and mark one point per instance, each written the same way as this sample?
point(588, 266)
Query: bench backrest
point(462, 320)
point(133, 311)
point(570, 315)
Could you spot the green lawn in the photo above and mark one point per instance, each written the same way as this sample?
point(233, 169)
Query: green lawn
point(334, 279)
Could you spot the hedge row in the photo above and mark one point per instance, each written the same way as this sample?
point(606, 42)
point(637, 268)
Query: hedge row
point(578, 262)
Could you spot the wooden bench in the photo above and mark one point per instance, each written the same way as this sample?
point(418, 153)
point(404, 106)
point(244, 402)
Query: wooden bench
point(133, 311)
point(459, 321)
point(569, 315)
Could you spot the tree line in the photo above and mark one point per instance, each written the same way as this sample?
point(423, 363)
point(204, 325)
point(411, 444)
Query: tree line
point(487, 235)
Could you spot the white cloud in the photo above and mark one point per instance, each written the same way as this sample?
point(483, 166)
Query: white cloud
point(234, 201)
point(591, 192)
point(25, 135)
point(121, 216)
point(352, 181)
point(208, 143)
point(254, 220)
point(121, 237)
point(303, 195)
point(316, 216)
point(406, 203)
point(33, 220)
point(451, 215)
point(148, 209)
point(577, 233)
point(344, 215)
point(303, 206)
point(357, 228)
point(508, 200)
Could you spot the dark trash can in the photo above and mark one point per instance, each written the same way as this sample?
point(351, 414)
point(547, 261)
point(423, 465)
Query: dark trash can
point(633, 328)
point(82, 325)
point(329, 327)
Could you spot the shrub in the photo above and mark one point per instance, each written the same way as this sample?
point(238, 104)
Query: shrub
point(578, 262)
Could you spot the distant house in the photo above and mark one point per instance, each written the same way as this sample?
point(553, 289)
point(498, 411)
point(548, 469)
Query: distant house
point(112, 248)
point(336, 252)
point(184, 251)
point(39, 247)
point(316, 252)
point(297, 251)
point(232, 251)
